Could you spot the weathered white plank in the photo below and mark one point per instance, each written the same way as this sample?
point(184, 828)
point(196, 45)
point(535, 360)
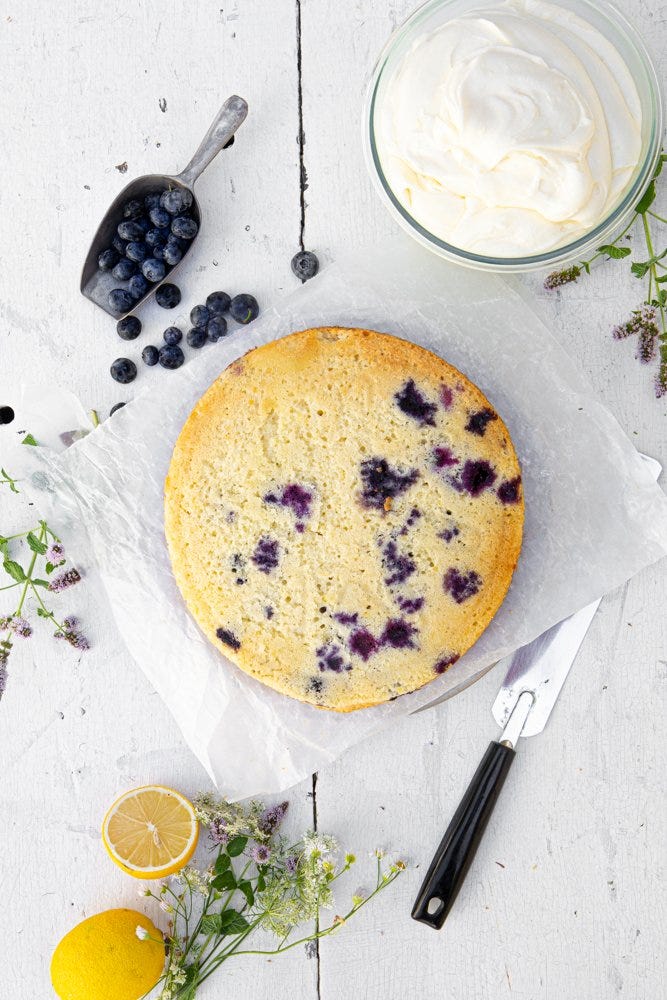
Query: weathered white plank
point(577, 908)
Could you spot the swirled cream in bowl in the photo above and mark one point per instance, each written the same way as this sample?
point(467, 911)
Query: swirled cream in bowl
point(516, 133)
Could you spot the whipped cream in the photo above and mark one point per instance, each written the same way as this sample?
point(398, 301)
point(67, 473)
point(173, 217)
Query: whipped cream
point(510, 131)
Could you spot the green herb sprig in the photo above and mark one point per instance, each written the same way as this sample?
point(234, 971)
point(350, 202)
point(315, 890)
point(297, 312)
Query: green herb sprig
point(34, 563)
point(649, 321)
point(256, 881)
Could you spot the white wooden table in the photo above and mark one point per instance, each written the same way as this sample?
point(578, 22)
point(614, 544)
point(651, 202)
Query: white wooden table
point(565, 898)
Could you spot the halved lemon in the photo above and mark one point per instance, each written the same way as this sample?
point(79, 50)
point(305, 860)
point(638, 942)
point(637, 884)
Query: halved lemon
point(151, 832)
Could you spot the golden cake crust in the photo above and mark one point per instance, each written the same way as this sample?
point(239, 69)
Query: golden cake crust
point(344, 513)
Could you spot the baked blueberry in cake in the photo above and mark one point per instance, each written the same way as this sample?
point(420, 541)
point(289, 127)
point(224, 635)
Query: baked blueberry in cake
point(344, 513)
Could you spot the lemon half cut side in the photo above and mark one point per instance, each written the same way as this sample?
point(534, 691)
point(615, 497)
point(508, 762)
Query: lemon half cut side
point(150, 832)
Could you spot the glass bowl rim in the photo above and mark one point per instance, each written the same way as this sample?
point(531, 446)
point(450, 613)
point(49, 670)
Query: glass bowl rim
point(613, 220)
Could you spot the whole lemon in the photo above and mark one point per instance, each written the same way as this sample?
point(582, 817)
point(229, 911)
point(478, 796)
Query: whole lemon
point(103, 959)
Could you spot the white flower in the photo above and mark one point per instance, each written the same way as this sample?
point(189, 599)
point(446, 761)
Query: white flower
point(143, 892)
point(316, 843)
point(167, 907)
point(142, 933)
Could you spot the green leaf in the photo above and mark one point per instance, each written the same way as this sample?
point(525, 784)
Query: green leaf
point(224, 881)
point(35, 544)
point(614, 252)
point(210, 924)
point(42, 613)
point(236, 846)
point(246, 888)
point(4, 544)
point(29, 439)
point(661, 277)
point(646, 200)
point(49, 568)
point(14, 570)
point(261, 883)
point(232, 922)
point(640, 268)
point(222, 863)
point(41, 583)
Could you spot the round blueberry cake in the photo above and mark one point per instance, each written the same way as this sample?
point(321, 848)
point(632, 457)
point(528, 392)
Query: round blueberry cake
point(344, 514)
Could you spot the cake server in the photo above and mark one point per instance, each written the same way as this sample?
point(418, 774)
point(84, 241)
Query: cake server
point(95, 284)
point(534, 677)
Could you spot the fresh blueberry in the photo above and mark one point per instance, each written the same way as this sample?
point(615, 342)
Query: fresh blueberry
point(305, 264)
point(171, 356)
point(124, 270)
point(153, 269)
point(152, 200)
point(143, 223)
point(136, 251)
point(123, 370)
point(184, 227)
point(157, 251)
point(199, 317)
point(155, 236)
point(218, 303)
point(244, 308)
point(131, 231)
point(150, 355)
point(196, 337)
point(128, 328)
point(172, 336)
point(118, 244)
point(160, 217)
point(175, 201)
point(114, 409)
point(168, 296)
point(171, 254)
point(137, 286)
point(107, 259)
point(216, 328)
point(133, 209)
point(120, 300)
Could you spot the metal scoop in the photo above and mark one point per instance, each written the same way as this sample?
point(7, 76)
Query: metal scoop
point(96, 284)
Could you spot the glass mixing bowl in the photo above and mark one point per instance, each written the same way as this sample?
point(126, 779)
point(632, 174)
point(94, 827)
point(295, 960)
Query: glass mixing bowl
point(613, 25)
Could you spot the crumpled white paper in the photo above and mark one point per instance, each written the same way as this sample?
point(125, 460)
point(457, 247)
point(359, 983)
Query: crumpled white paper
point(594, 517)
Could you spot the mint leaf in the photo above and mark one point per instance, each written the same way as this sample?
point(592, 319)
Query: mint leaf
point(261, 883)
point(246, 888)
point(646, 200)
point(35, 544)
point(236, 846)
point(222, 863)
point(614, 252)
point(211, 924)
point(640, 268)
point(29, 439)
point(41, 583)
point(232, 922)
point(225, 881)
point(14, 570)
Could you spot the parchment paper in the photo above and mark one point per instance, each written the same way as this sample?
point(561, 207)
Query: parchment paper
point(593, 515)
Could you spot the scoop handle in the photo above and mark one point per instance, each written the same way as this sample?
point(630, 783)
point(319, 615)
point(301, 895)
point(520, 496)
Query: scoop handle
point(231, 115)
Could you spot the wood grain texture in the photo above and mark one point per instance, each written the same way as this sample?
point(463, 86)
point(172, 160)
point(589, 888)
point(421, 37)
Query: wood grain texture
point(565, 898)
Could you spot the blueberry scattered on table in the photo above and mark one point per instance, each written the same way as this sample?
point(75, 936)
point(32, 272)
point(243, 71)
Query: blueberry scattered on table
point(107, 259)
point(184, 227)
point(196, 337)
point(150, 355)
point(131, 231)
point(244, 308)
point(137, 286)
point(171, 356)
point(199, 317)
point(136, 251)
point(153, 269)
point(114, 409)
point(120, 300)
point(305, 264)
point(128, 328)
point(176, 200)
point(168, 296)
point(123, 370)
point(216, 328)
point(124, 270)
point(218, 303)
point(172, 336)
point(160, 217)
point(133, 209)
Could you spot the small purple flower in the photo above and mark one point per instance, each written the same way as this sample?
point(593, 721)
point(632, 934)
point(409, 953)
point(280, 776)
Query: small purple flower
point(73, 637)
point(272, 817)
point(55, 553)
point(20, 626)
point(218, 833)
point(564, 277)
point(65, 580)
point(5, 624)
point(291, 864)
point(71, 623)
point(661, 380)
point(260, 854)
point(3, 678)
